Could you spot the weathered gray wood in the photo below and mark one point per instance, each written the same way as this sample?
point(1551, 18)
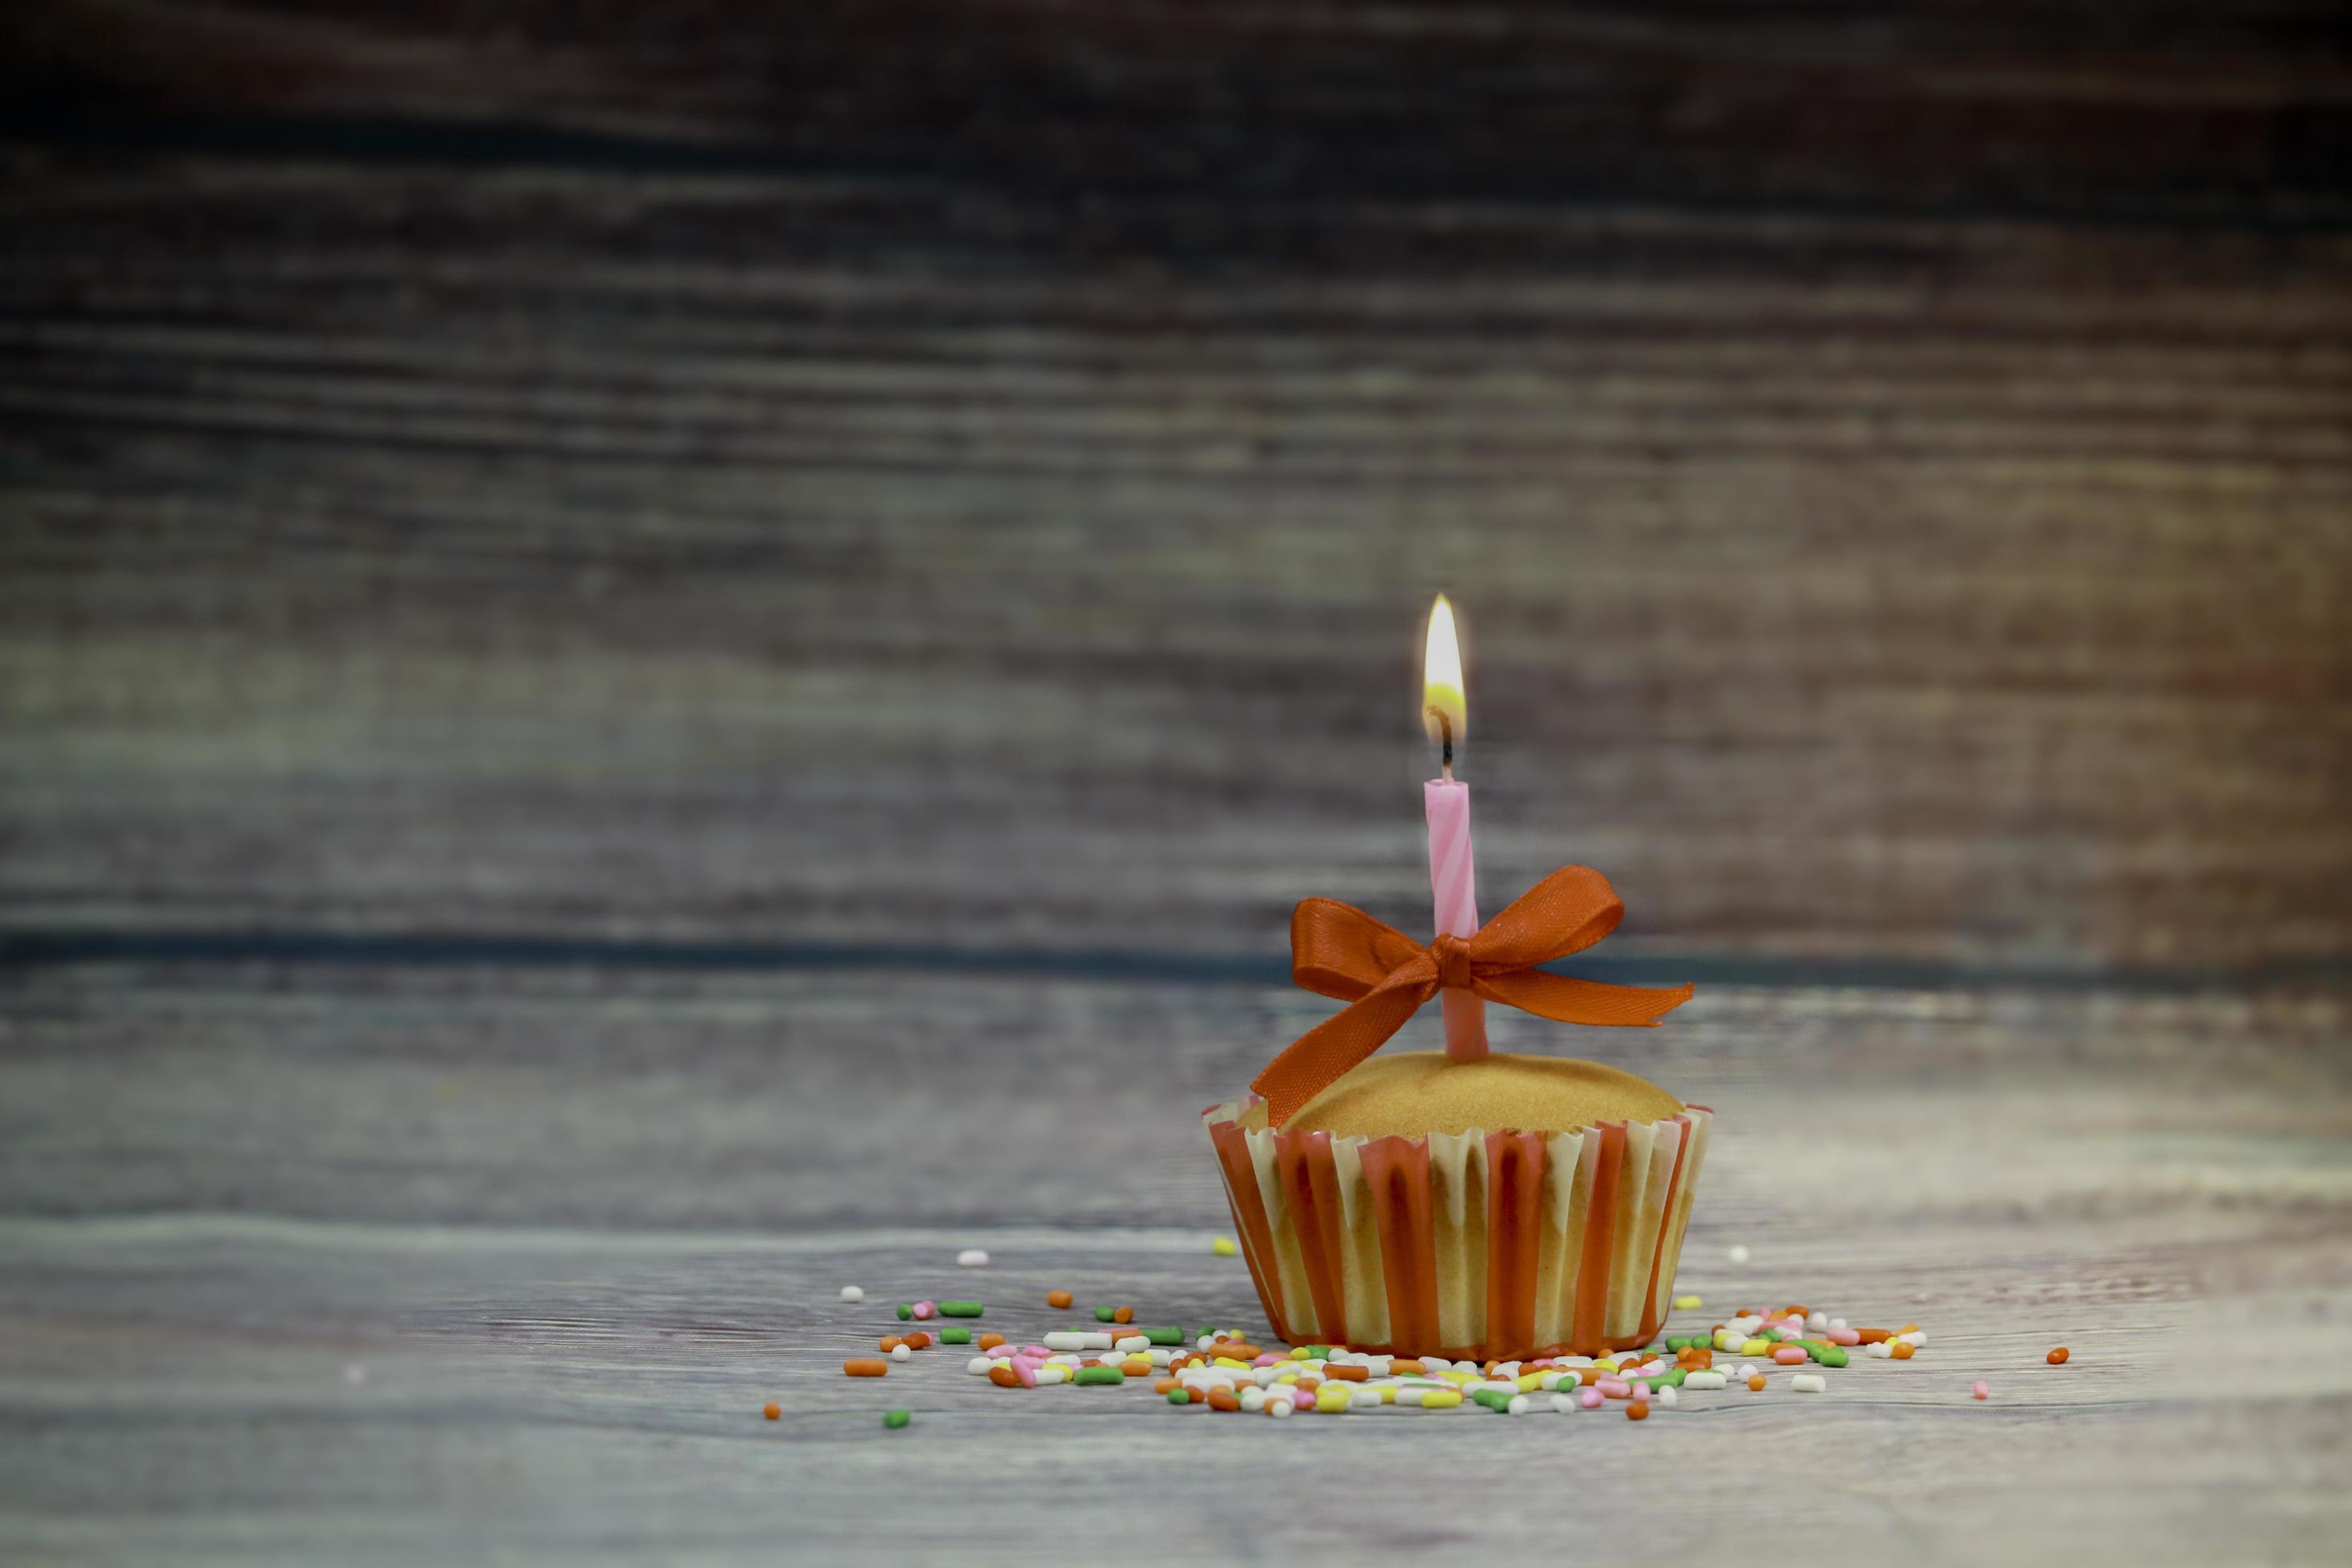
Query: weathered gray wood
point(576, 1231)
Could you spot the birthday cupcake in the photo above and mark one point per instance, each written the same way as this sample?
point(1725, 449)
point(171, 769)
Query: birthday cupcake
point(1461, 1203)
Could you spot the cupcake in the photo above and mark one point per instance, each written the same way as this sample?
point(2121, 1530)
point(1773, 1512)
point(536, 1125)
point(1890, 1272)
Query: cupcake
point(1491, 1208)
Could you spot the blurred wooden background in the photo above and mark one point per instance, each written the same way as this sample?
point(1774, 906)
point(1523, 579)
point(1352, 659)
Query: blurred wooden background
point(552, 557)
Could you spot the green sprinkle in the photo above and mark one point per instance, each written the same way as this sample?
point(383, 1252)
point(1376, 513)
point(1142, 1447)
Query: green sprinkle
point(1103, 1314)
point(1833, 1355)
point(955, 1336)
point(1494, 1399)
point(1313, 1352)
point(894, 1419)
point(1164, 1336)
point(1099, 1374)
point(1179, 1396)
point(906, 1311)
point(961, 1309)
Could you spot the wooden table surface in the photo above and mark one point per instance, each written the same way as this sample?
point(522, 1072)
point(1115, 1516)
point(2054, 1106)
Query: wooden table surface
point(655, 659)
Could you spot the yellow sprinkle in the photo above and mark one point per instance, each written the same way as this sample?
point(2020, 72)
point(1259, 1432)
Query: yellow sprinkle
point(1228, 1360)
point(1530, 1382)
point(1441, 1399)
point(1224, 1246)
point(1687, 1303)
point(1757, 1347)
point(1287, 1377)
point(1388, 1394)
point(1333, 1397)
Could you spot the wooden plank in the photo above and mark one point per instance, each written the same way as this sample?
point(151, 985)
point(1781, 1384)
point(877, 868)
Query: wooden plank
point(573, 1233)
point(493, 553)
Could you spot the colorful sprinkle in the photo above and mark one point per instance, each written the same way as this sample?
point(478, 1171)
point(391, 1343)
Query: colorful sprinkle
point(866, 1366)
point(772, 1410)
point(852, 1293)
point(1981, 1389)
point(1224, 1246)
point(1058, 1298)
point(971, 1258)
point(2057, 1357)
point(894, 1419)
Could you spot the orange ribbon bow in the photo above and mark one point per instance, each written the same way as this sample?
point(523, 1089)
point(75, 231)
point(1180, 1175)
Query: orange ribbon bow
point(1384, 976)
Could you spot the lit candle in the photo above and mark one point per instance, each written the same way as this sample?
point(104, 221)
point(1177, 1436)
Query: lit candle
point(1452, 874)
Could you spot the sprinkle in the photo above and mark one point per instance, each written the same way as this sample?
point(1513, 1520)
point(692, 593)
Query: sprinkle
point(852, 1293)
point(924, 1308)
point(1565, 1404)
point(1687, 1303)
point(1704, 1379)
point(1638, 1411)
point(1808, 1383)
point(1982, 1389)
point(989, 1341)
point(1790, 1355)
point(865, 1366)
point(1756, 1384)
point(961, 1309)
point(1224, 1246)
point(1737, 1253)
point(1058, 1298)
point(1900, 1350)
point(2057, 1357)
point(894, 1419)
point(772, 1410)
point(906, 1310)
point(971, 1258)
point(1590, 1399)
point(1278, 1408)
point(1666, 1394)
point(1104, 1315)
point(1089, 1376)
point(899, 1350)
point(955, 1336)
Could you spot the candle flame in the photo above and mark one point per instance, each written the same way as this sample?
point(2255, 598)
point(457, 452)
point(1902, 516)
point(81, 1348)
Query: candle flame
point(1443, 711)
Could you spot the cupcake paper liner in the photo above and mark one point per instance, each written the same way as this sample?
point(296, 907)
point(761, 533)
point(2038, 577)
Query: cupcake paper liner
point(1474, 1246)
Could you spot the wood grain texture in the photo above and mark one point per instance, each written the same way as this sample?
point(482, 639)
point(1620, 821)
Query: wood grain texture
point(946, 474)
point(576, 1233)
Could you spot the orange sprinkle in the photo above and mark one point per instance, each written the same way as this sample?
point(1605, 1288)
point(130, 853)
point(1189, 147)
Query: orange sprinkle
point(890, 1343)
point(1588, 1376)
point(1003, 1377)
point(1900, 1350)
point(1123, 1315)
point(1756, 1383)
point(1308, 1382)
point(1235, 1349)
point(989, 1341)
point(1875, 1336)
point(772, 1410)
point(1164, 1385)
point(2058, 1356)
point(1638, 1411)
point(1058, 1298)
point(917, 1342)
point(866, 1366)
point(1346, 1373)
point(1407, 1366)
point(1224, 1399)
point(1908, 1329)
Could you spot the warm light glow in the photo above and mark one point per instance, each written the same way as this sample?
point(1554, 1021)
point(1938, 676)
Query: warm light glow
point(1442, 708)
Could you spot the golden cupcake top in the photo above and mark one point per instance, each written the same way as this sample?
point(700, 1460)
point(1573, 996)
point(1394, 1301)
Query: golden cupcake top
point(1413, 1093)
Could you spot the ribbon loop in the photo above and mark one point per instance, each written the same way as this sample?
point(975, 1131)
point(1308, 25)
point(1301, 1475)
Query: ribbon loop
point(1384, 976)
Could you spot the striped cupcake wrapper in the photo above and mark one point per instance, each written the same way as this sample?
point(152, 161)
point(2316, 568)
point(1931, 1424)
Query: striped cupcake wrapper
point(1473, 1246)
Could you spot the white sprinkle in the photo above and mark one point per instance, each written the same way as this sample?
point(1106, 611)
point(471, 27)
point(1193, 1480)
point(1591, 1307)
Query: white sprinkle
point(852, 1293)
point(899, 1352)
point(1840, 1323)
point(971, 1258)
point(1278, 1408)
point(1204, 1342)
point(1517, 1406)
point(1917, 1337)
point(1808, 1383)
point(1737, 1253)
point(355, 1374)
point(1704, 1379)
point(1817, 1321)
point(1130, 1344)
point(1745, 1372)
point(1050, 1374)
point(1253, 1399)
point(1665, 1395)
point(1564, 1403)
point(1072, 1340)
point(977, 1366)
point(1878, 1349)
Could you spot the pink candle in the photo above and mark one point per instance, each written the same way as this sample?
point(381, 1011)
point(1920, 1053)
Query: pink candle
point(1453, 877)
point(1453, 871)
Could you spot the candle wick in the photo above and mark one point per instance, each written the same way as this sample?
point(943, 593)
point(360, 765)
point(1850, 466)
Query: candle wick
point(1444, 740)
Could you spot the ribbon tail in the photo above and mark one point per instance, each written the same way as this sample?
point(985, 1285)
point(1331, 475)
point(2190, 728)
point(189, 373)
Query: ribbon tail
point(1572, 1001)
point(1314, 1060)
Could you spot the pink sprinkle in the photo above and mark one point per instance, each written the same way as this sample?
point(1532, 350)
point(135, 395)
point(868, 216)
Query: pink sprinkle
point(1788, 1355)
point(925, 1309)
point(1844, 1336)
point(1641, 1392)
point(1302, 1397)
point(1613, 1387)
point(1040, 1351)
point(1026, 1371)
point(1265, 1358)
point(1983, 1390)
point(1589, 1397)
